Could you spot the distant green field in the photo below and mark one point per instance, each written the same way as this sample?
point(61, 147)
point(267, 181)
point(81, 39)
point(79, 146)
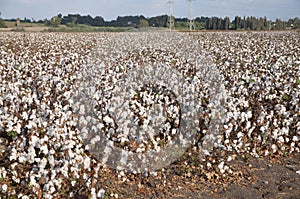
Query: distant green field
point(63, 28)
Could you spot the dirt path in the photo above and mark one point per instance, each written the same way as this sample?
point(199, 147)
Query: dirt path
point(269, 179)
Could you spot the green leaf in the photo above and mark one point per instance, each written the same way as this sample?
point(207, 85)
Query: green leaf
point(12, 133)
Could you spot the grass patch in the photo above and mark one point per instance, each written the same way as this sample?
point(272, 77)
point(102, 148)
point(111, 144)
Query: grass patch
point(12, 133)
point(286, 97)
point(18, 29)
point(86, 28)
point(298, 82)
point(12, 24)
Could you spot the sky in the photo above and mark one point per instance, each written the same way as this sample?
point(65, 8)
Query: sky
point(110, 9)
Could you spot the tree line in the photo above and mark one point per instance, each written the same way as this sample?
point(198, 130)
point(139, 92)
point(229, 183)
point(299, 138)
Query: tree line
point(208, 23)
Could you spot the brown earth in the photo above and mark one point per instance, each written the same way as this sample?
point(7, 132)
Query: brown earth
point(267, 178)
point(270, 179)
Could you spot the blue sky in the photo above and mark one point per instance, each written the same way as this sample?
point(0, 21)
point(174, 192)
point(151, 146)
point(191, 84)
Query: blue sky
point(110, 9)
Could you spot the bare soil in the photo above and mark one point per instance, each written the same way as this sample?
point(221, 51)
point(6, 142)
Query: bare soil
point(267, 178)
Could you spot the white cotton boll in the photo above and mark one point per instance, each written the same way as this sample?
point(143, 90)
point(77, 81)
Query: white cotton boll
point(292, 144)
point(123, 139)
point(35, 141)
point(43, 164)
point(81, 110)
point(287, 139)
point(17, 128)
point(174, 131)
point(229, 115)
point(101, 193)
point(93, 193)
point(249, 114)
point(88, 183)
point(9, 126)
point(44, 149)
point(280, 139)
point(4, 188)
point(239, 135)
point(282, 110)
point(17, 180)
point(274, 147)
point(87, 162)
point(32, 180)
point(221, 165)
point(243, 116)
point(248, 125)
point(31, 154)
point(22, 159)
point(57, 182)
point(295, 138)
point(53, 174)
point(108, 120)
point(95, 140)
point(52, 189)
point(50, 132)
point(73, 182)
point(85, 176)
point(31, 124)
point(275, 134)
point(13, 154)
point(3, 172)
point(266, 152)
point(284, 131)
point(45, 139)
point(208, 165)
point(229, 158)
point(250, 131)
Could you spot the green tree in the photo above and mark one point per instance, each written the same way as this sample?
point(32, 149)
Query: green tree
point(143, 23)
point(279, 25)
point(237, 23)
point(266, 24)
point(47, 22)
point(55, 21)
point(296, 22)
point(208, 24)
point(226, 23)
point(2, 24)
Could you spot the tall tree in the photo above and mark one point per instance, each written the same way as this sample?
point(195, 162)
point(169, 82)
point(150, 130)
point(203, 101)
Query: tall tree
point(237, 22)
point(143, 23)
point(2, 23)
point(55, 21)
point(226, 23)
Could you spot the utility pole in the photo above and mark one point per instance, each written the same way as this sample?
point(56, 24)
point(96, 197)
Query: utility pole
point(171, 21)
point(191, 20)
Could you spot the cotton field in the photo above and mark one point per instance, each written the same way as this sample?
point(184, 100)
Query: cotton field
point(63, 101)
